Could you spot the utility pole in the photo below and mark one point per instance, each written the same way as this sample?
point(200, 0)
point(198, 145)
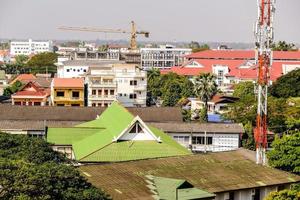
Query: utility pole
point(264, 39)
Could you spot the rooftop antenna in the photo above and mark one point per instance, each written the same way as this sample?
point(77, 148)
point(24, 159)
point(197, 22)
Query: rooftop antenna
point(264, 39)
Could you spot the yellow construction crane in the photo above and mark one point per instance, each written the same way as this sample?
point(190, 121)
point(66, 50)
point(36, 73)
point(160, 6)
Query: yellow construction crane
point(133, 33)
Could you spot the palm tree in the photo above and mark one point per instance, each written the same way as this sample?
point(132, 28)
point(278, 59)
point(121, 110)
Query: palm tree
point(205, 88)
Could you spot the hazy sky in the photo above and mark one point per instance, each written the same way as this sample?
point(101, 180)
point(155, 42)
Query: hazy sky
point(167, 20)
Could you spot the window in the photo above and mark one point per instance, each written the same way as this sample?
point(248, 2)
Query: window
point(133, 82)
point(201, 140)
point(60, 94)
point(93, 92)
point(182, 139)
point(37, 103)
point(75, 94)
point(132, 96)
point(120, 94)
point(111, 92)
point(75, 105)
point(93, 105)
point(60, 104)
point(136, 128)
point(68, 70)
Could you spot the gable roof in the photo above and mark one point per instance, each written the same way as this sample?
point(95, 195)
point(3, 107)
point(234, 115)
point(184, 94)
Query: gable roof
point(23, 77)
point(35, 91)
point(103, 147)
point(169, 188)
point(212, 172)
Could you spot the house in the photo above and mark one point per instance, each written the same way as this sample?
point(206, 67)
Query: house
point(34, 120)
point(204, 137)
point(31, 94)
point(67, 92)
point(228, 175)
point(115, 136)
point(3, 82)
point(234, 66)
point(217, 105)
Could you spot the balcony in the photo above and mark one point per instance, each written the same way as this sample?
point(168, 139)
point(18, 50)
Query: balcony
point(103, 84)
point(140, 87)
point(103, 97)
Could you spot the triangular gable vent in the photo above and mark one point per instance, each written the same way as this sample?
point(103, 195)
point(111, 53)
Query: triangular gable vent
point(137, 131)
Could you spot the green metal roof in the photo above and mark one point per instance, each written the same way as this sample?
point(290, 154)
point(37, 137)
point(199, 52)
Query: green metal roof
point(96, 139)
point(169, 189)
point(68, 136)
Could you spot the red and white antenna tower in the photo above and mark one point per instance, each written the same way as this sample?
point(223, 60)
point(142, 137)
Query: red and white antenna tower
point(264, 38)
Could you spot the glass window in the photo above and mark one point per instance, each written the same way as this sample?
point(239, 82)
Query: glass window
point(75, 94)
point(60, 94)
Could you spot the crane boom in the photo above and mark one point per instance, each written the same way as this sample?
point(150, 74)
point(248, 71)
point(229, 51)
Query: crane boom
point(133, 32)
point(264, 39)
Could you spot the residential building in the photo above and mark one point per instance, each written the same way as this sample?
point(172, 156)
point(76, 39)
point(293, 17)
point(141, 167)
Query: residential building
point(205, 137)
point(87, 54)
point(227, 175)
point(131, 85)
point(67, 92)
point(115, 136)
point(30, 47)
point(163, 58)
point(3, 82)
point(102, 86)
point(31, 94)
point(234, 66)
point(33, 120)
point(217, 105)
point(123, 82)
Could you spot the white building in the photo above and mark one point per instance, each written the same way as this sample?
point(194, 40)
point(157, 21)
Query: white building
point(76, 68)
point(30, 47)
point(213, 137)
point(123, 82)
point(3, 82)
point(164, 57)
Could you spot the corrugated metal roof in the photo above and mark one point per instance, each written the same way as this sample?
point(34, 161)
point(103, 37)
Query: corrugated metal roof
point(212, 172)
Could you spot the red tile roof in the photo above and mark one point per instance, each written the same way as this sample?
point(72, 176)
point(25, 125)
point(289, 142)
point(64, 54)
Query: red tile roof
point(68, 82)
point(31, 89)
point(24, 77)
point(242, 55)
point(235, 70)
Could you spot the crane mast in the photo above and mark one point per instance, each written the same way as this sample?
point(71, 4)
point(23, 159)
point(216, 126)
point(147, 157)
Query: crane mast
point(264, 38)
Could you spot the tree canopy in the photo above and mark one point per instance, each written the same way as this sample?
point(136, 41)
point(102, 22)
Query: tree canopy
point(15, 87)
point(287, 85)
point(205, 88)
point(283, 46)
point(285, 153)
point(196, 47)
point(30, 169)
point(168, 87)
point(43, 62)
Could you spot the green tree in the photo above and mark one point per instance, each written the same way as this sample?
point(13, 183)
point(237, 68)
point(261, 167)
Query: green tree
point(284, 195)
point(30, 169)
point(171, 94)
point(8, 91)
point(20, 60)
point(153, 86)
point(285, 153)
point(287, 85)
point(283, 46)
point(43, 62)
point(205, 88)
point(244, 89)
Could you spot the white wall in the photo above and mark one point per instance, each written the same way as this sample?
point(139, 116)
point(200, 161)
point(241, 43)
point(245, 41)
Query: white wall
point(71, 71)
point(29, 47)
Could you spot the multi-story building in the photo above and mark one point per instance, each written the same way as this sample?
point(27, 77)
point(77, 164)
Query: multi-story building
point(67, 92)
point(131, 85)
point(164, 57)
point(30, 47)
point(102, 86)
point(123, 82)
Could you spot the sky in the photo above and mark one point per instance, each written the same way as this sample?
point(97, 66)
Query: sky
point(166, 20)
